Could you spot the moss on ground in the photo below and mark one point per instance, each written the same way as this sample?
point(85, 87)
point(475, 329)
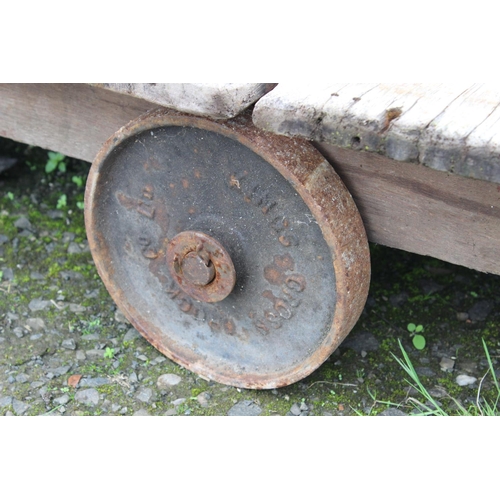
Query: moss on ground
point(349, 383)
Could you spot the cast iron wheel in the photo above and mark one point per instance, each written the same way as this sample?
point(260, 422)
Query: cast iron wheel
point(237, 253)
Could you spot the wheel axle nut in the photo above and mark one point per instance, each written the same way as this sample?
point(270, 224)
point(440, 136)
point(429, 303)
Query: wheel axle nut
point(196, 270)
point(201, 266)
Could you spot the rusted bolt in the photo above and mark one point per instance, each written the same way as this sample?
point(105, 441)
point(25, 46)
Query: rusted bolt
point(201, 266)
point(196, 270)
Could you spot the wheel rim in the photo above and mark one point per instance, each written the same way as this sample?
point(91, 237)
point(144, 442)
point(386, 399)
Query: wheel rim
point(286, 220)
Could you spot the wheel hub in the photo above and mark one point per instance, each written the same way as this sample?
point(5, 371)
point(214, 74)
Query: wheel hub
point(201, 266)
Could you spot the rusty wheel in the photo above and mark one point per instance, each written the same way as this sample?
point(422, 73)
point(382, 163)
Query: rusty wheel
point(237, 253)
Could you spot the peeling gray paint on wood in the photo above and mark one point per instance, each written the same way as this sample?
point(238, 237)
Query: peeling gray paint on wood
point(216, 100)
point(453, 127)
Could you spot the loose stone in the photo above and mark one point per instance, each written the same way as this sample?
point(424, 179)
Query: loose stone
point(18, 332)
point(480, 310)
point(38, 305)
point(80, 355)
point(19, 407)
point(120, 317)
point(463, 380)
point(203, 399)
point(69, 344)
point(22, 378)
point(89, 397)
point(168, 380)
point(7, 274)
point(77, 308)
point(94, 382)
point(179, 401)
point(245, 409)
point(34, 275)
point(5, 401)
point(363, 341)
point(55, 214)
point(62, 370)
point(392, 412)
point(447, 364)
point(131, 334)
point(141, 413)
point(35, 324)
point(144, 394)
point(71, 275)
point(23, 223)
point(62, 400)
point(425, 371)
point(74, 248)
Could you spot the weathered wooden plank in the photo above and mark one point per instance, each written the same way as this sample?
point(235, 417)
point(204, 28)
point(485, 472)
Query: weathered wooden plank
point(74, 119)
point(216, 100)
point(424, 211)
point(454, 128)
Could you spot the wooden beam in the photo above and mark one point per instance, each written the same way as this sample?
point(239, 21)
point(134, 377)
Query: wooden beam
point(73, 119)
point(404, 205)
point(424, 211)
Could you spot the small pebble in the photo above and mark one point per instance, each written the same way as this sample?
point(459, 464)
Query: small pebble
point(168, 380)
point(74, 248)
point(62, 400)
point(19, 407)
point(23, 223)
point(22, 378)
point(89, 397)
point(38, 305)
point(203, 399)
point(447, 364)
point(392, 412)
point(141, 413)
point(463, 380)
point(69, 344)
point(245, 409)
point(120, 317)
point(144, 394)
point(131, 334)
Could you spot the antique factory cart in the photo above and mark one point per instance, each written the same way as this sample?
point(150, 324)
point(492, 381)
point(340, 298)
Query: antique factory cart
point(219, 218)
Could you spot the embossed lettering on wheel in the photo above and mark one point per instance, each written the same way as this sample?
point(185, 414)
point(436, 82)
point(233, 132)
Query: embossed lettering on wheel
point(167, 177)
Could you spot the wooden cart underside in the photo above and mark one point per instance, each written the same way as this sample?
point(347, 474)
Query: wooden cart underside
point(422, 163)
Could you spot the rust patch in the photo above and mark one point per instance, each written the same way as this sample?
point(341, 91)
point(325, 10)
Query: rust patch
point(390, 115)
point(201, 266)
point(275, 273)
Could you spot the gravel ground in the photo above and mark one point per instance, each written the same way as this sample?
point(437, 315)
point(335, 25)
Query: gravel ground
point(66, 350)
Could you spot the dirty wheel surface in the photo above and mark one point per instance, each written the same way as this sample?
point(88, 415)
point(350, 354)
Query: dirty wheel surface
point(238, 254)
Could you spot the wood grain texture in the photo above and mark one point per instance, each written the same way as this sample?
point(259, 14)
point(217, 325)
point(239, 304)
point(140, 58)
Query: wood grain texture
point(453, 128)
point(74, 119)
point(414, 208)
point(215, 100)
